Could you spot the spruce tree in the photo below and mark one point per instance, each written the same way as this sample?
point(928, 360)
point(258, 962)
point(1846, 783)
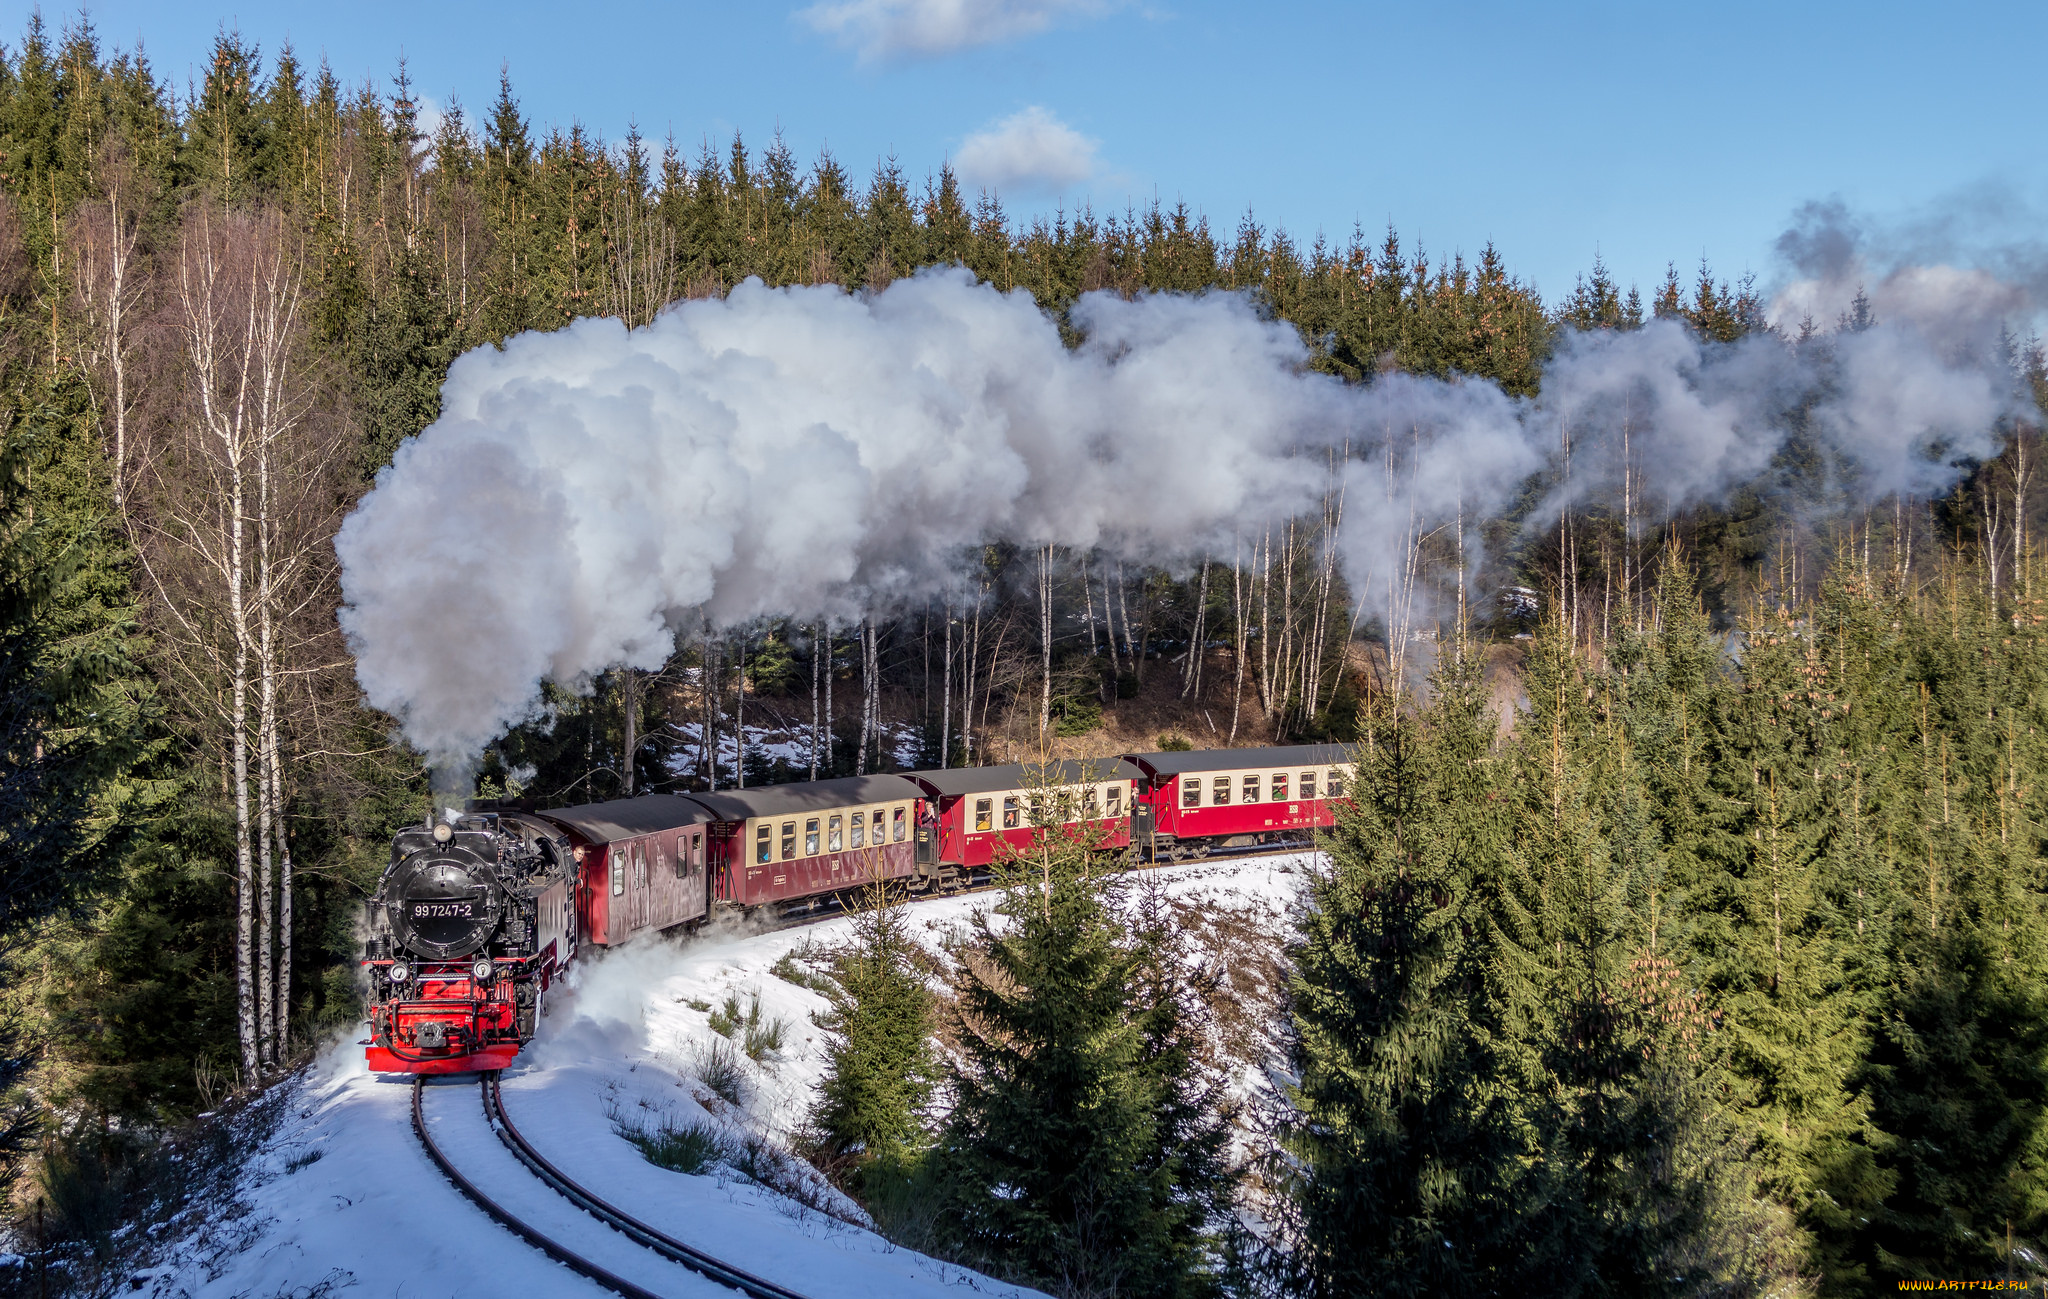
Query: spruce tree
point(1409, 1154)
point(1063, 1159)
point(76, 711)
point(1637, 1187)
point(1957, 1072)
point(879, 1062)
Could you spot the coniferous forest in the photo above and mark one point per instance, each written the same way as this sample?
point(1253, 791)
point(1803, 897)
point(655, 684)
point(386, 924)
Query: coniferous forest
point(1683, 937)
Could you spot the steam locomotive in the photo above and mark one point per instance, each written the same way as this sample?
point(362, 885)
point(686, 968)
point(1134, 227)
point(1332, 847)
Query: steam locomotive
point(478, 915)
point(470, 924)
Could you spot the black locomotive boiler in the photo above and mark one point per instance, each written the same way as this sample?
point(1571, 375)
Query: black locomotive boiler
point(472, 921)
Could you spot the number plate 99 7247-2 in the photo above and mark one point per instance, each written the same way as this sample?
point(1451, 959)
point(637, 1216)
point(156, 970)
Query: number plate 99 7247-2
point(441, 910)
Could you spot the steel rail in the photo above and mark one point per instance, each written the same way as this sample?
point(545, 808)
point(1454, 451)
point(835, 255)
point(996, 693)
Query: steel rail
point(619, 1220)
point(573, 1261)
point(668, 1247)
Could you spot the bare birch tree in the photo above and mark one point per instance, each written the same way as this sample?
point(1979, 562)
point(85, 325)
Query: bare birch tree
point(108, 283)
point(236, 540)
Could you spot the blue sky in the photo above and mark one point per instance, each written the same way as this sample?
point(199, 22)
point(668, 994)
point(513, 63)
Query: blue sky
point(1650, 132)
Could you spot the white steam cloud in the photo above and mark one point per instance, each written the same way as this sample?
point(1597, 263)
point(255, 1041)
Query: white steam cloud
point(797, 451)
point(586, 494)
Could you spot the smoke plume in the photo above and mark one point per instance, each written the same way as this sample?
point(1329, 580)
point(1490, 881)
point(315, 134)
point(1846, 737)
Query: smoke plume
point(589, 493)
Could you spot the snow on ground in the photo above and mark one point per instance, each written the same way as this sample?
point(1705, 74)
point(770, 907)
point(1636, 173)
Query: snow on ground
point(340, 1197)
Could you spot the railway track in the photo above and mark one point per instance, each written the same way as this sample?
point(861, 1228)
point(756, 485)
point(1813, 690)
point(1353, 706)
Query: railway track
point(637, 1272)
point(632, 1259)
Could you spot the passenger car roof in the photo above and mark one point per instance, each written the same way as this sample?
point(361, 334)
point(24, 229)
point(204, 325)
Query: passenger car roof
point(1293, 755)
point(1023, 775)
point(804, 796)
point(623, 818)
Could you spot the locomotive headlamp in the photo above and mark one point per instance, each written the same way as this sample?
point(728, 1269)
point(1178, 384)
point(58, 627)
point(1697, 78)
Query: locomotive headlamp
point(481, 970)
point(443, 832)
point(398, 973)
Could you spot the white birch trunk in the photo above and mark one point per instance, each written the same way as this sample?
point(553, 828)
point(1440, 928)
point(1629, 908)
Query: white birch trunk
point(1045, 645)
point(1237, 619)
point(266, 721)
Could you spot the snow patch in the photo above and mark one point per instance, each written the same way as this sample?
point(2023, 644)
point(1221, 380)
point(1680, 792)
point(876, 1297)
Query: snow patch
point(342, 1197)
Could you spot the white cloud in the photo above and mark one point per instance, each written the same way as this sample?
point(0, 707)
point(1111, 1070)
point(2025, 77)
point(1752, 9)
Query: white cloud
point(1026, 153)
point(431, 115)
point(882, 29)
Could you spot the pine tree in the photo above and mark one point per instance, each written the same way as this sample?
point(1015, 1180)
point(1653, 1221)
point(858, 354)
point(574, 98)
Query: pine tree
point(1063, 1156)
point(226, 137)
point(1771, 941)
point(879, 1063)
point(1409, 1157)
point(1637, 1187)
point(1957, 1072)
point(76, 711)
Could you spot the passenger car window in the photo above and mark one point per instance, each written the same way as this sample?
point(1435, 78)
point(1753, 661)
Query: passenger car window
point(1333, 784)
point(1251, 789)
point(1089, 811)
point(764, 848)
point(788, 840)
point(1279, 787)
point(1190, 791)
point(835, 834)
point(983, 814)
point(618, 860)
point(902, 825)
point(1009, 811)
point(1308, 784)
point(1219, 792)
point(879, 837)
point(1115, 796)
point(860, 831)
point(810, 836)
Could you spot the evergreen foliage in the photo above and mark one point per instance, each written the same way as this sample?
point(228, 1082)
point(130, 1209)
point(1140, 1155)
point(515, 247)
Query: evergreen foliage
point(1408, 1155)
point(1721, 963)
point(879, 1065)
point(1084, 1151)
point(1505, 1086)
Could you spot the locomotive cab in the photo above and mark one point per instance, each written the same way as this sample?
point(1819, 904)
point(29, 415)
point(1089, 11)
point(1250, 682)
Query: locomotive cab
point(467, 929)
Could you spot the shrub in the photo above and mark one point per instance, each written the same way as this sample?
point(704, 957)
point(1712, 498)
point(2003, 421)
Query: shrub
point(789, 971)
point(719, 1069)
point(756, 1035)
point(1175, 742)
point(1076, 714)
point(726, 1020)
point(681, 1147)
point(764, 1038)
point(685, 1148)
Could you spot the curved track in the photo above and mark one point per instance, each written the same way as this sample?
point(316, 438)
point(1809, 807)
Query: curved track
point(522, 1224)
point(650, 1239)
